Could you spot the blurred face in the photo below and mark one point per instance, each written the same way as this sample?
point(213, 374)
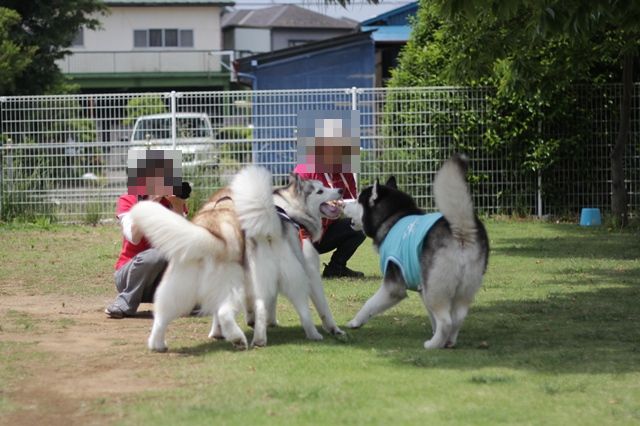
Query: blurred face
point(333, 154)
point(154, 172)
point(155, 185)
point(329, 141)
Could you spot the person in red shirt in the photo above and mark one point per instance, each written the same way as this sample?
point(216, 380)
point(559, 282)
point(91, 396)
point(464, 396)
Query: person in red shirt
point(139, 267)
point(326, 165)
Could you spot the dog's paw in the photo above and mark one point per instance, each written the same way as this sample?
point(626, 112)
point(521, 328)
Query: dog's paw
point(431, 344)
point(336, 331)
point(240, 344)
point(259, 343)
point(332, 329)
point(160, 348)
point(314, 335)
point(216, 335)
point(353, 324)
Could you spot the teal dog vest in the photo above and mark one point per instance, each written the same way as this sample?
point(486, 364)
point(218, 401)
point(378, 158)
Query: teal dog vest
point(403, 245)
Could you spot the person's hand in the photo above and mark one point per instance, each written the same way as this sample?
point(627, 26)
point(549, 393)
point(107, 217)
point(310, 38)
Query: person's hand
point(177, 203)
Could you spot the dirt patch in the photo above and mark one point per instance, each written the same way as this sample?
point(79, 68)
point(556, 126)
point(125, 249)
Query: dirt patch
point(83, 359)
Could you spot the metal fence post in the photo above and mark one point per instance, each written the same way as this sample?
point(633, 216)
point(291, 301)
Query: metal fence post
point(539, 185)
point(172, 101)
point(354, 107)
point(354, 98)
point(1, 173)
point(2, 101)
point(539, 199)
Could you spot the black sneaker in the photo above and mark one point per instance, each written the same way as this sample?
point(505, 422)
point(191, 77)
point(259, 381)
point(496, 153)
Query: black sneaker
point(114, 311)
point(334, 270)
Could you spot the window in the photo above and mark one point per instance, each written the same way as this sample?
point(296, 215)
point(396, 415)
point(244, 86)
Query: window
point(171, 38)
point(78, 39)
point(186, 38)
point(140, 38)
point(156, 37)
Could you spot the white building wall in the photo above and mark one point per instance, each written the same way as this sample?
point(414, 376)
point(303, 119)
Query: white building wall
point(117, 32)
point(256, 40)
point(280, 37)
point(110, 49)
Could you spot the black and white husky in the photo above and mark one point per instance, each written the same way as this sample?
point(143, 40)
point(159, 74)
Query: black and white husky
point(448, 263)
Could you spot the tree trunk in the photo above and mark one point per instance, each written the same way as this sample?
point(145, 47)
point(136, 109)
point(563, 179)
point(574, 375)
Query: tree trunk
point(618, 189)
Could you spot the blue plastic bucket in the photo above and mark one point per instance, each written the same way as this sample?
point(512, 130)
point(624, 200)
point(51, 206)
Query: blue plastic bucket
point(590, 217)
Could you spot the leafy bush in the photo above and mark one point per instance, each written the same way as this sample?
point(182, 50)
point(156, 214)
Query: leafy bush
point(143, 105)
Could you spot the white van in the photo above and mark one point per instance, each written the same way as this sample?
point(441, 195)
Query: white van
point(194, 136)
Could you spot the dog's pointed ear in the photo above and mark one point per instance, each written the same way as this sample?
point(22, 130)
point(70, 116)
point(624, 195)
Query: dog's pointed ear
point(391, 183)
point(295, 182)
point(374, 193)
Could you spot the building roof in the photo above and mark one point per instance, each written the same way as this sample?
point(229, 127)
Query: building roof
point(391, 33)
point(284, 16)
point(247, 62)
point(391, 26)
point(387, 18)
point(168, 3)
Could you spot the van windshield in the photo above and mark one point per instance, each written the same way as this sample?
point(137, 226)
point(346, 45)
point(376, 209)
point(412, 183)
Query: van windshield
point(160, 128)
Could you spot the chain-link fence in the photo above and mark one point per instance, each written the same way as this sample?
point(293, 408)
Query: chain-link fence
point(65, 156)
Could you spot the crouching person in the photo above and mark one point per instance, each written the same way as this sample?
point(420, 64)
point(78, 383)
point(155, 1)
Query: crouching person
point(139, 267)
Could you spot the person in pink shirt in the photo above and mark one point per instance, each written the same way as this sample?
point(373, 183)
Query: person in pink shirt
point(330, 156)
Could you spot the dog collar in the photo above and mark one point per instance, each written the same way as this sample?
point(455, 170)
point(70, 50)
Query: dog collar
point(225, 198)
point(302, 231)
point(286, 218)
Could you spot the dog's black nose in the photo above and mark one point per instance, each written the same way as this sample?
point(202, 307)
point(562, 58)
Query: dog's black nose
point(340, 191)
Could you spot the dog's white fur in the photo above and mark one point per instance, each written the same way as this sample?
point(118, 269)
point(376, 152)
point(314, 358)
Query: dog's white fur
point(353, 210)
point(223, 273)
point(277, 262)
point(202, 269)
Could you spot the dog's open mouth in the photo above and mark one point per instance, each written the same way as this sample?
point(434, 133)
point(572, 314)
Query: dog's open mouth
point(330, 211)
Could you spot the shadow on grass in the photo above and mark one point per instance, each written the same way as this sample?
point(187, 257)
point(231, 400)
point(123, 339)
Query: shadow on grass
point(580, 331)
point(289, 335)
point(583, 332)
point(208, 346)
point(571, 243)
point(574, 332)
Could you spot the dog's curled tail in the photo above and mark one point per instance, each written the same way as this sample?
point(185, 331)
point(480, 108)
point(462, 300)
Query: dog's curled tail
point(453, 198)
point(253, 201)
point(173, 235)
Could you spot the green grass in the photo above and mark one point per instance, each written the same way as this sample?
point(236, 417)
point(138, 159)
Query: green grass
point(57, 259)
point(553, 338)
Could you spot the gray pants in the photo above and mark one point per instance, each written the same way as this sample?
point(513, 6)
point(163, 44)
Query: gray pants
point(136, 280)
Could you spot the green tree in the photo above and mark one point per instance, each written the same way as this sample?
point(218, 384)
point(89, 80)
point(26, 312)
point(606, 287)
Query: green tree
point(143, 105)
point(533, 53)
point(13, 57)
point(41, 31)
